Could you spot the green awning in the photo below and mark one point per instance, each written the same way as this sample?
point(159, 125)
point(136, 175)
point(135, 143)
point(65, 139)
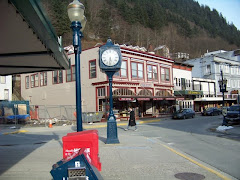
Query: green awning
point(187, 92)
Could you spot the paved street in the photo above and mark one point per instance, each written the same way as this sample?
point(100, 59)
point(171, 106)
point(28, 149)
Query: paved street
point(159, 150)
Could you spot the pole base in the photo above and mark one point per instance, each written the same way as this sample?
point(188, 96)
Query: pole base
point(112, 137)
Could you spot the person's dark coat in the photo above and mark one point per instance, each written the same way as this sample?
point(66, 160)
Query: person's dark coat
point(132, 121)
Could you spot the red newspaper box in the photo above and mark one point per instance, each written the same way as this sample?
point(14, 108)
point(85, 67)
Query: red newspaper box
point(73, 142)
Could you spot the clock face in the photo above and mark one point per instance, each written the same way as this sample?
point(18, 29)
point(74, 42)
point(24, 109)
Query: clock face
point(110, 57)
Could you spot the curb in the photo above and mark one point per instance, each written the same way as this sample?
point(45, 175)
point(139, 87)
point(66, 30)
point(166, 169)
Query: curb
point(15, 132)
point(120, 124)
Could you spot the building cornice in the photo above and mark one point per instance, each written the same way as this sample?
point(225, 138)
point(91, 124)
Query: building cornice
point(115, 82)
point(145, 54)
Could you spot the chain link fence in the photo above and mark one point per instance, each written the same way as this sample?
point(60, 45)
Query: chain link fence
point(20, 112)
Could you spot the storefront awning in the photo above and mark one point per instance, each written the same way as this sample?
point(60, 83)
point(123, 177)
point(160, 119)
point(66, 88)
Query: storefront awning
point(140, 98)
point(187, 92)
point(213, 99)
point(28, 40)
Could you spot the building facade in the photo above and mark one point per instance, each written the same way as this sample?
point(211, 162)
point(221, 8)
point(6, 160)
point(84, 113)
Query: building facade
point(210, 66)
point(6, 88)
point(144, 82)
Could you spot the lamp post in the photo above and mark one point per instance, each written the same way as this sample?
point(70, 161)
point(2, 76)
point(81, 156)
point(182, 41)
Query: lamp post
point(223, 88)
point(76, 16)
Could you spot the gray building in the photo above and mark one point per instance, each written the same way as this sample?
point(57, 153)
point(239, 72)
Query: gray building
point(210, 65)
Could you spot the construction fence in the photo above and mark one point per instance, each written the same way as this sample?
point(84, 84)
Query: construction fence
point(22, 112)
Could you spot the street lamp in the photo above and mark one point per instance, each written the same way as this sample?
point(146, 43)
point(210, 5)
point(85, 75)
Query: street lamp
point(76, 16)
point(223, 88)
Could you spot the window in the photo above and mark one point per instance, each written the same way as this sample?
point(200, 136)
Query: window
point(34, 80)
point(36, 83)
point(217, 68)
point(27, 82)
point(232, 70)
point(101, 91)
point(123, 71)
point(152, 72)
point(176, 79)
point(3, 79)
point(137, 70)
point(6, 94)
point(70, 73)
point(221, 68)
point(92, 69)
point(43, 78)
point(208, 69)
point(165, 74)
point(57, 77)
point(227, 68)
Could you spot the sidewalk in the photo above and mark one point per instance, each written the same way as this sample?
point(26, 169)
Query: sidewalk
point(135, 158)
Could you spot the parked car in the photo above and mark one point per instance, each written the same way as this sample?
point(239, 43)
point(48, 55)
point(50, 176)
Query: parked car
point(211, 111)
point(183, 114)
point(233, 114)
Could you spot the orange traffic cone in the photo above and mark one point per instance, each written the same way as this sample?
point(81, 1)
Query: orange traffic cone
point(50, 123)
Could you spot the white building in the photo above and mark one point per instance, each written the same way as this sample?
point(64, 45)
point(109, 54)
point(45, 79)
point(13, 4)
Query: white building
point(6, 88)
point(182, 80)
point(210, 66)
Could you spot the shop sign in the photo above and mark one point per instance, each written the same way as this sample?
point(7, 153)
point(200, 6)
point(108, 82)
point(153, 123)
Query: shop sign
point(194, 92)
point(146, 84)
point(143, 99)
point(126, 99)
point(157, 99)
point(170, 98)
point(234, 92)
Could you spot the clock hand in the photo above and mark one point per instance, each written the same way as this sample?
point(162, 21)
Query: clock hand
point(110, 60)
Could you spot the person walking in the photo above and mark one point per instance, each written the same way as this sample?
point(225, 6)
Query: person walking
point(131, 121)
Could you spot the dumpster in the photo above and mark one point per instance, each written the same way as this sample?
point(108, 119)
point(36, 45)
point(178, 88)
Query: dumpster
point(73, 142)
point(75, 167)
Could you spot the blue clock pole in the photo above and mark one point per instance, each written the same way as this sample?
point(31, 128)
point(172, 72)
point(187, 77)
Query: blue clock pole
point(110, 60)
point(112, 135)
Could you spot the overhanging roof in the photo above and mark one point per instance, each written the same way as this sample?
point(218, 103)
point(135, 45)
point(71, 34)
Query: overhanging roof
point(28, 42)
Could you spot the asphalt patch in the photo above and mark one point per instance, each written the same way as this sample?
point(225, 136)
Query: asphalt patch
point(189, 176)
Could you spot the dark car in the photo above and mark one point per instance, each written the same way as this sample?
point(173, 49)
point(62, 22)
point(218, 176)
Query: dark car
point(212, 111)
point(233, 114)
point(183, 114)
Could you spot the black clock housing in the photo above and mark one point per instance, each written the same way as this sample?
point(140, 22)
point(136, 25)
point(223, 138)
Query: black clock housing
point(110, 45)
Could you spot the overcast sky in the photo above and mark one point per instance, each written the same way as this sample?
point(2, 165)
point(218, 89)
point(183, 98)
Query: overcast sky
point(230, 9)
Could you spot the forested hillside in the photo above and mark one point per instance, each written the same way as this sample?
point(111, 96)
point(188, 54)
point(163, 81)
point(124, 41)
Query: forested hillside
point(181, 25)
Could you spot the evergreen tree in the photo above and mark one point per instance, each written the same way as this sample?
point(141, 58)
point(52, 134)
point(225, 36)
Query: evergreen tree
point(61, 21)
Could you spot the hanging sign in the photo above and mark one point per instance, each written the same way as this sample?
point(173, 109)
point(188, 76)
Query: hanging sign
point(126, 99)
point(143, 99)
point(157, 99)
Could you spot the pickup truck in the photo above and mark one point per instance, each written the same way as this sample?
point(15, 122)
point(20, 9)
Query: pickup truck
point(233, 114)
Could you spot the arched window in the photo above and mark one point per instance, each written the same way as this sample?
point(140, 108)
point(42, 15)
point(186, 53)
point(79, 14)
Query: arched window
point(123, 92)
point(145, 92)
point(163, 93)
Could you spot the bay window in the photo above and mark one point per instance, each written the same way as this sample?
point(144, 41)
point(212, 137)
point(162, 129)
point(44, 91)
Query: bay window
point(165, 74)
point(152, 72)
point(123, 71)
point(137, 70)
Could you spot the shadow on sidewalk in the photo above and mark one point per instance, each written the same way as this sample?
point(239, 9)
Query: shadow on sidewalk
point(15, 147)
